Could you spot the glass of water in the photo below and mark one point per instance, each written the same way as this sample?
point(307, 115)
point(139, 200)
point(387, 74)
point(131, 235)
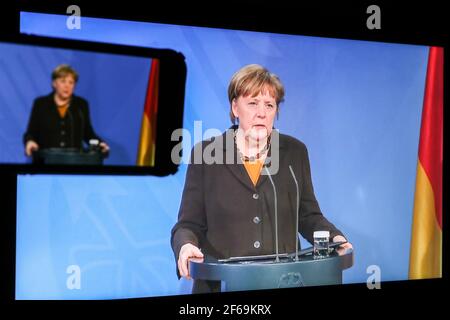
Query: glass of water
point(321, 244)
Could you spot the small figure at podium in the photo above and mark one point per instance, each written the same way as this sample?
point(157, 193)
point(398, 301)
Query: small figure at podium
point(60, 119)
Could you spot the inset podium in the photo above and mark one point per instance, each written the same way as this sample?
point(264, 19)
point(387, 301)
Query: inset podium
point(268, 274)
point(68, 156)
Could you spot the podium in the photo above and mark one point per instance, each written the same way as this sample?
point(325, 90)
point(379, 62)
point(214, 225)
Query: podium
point(68, 156)
point(268, 274)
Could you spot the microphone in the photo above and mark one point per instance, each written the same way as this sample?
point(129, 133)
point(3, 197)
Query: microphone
point(296, 212)
point(82, 126)
point(71, 125)
point(277, 258)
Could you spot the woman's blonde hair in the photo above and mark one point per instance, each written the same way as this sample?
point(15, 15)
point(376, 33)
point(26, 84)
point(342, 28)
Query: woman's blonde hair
point(64, 70)
point(253, 79)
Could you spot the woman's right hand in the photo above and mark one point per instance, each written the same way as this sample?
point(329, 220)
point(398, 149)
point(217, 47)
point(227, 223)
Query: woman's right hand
point(30, 147)
point(187, 251)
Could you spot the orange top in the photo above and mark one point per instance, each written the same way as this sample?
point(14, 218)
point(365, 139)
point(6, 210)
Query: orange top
point(62, 110)
point(254, 170)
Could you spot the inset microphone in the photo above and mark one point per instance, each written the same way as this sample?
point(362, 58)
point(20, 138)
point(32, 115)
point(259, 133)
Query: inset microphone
point(277, 258)
point(69, 112)
point(82, 126)
point(296, 212)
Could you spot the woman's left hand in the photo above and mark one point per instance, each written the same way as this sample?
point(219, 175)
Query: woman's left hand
point(104, 147)
point(343, 247)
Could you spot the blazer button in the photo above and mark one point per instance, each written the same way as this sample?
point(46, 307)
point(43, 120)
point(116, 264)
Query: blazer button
point(256, 220)
point(255, 196)
point(257, 244)
point(62, 144)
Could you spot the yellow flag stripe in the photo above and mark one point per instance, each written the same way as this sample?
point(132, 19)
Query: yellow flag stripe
point(146, 152)
point(426, 242)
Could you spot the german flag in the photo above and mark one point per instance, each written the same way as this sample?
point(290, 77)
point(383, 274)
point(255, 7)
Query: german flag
point(425, 259)
point(147, 141)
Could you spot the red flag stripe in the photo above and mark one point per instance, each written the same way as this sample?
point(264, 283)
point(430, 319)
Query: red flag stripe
point(431, 134)
point(151, 102)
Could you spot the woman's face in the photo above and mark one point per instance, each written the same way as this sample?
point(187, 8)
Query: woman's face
point(64, 86)
point(256, 114)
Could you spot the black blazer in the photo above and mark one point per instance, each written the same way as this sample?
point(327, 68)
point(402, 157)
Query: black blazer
point(49, 130)
point(225, 215)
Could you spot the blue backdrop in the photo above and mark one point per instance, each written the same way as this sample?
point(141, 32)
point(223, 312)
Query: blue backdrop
point(114, 85)
point(356, 104)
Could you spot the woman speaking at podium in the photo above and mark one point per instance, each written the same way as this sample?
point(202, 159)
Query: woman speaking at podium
point(227, 207)
point(60, 119)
